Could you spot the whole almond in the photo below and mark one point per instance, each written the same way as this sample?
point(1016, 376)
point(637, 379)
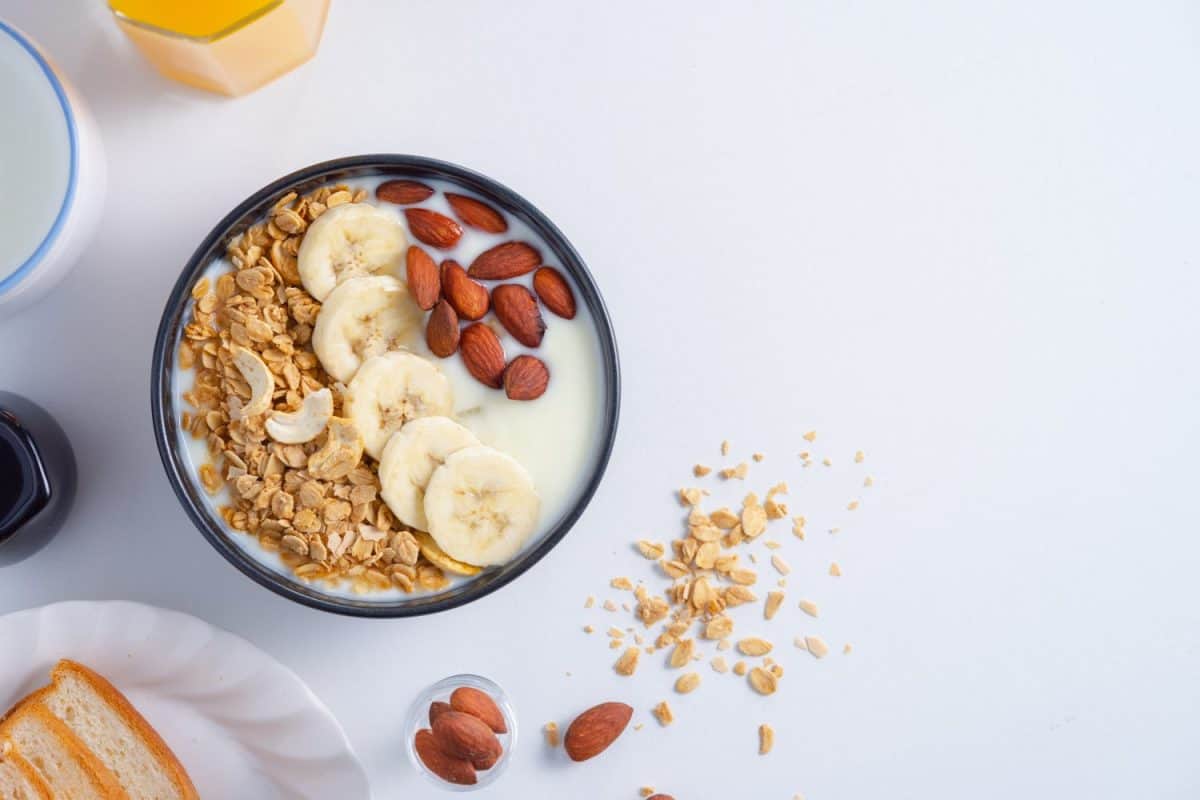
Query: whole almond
point(423, 281)
point(505, 261)
point(441, 332)
point(464, 736)
point(436, 709)
point(595, 729)
point(470, 700)
point(518, 312)
point(469, 298)
point(445, 766)
point(526, 378)
point(483, 354)
point(477, 213)
point(403, 192)
point(554, 291)
point(432, 228)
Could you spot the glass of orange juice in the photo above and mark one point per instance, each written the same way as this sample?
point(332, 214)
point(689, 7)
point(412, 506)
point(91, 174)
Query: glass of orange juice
point(226, 46)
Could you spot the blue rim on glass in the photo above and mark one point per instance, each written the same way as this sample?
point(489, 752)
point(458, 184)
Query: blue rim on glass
point(165, 416)
point(7, 282)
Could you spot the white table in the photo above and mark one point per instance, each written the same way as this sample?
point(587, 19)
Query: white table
point(959, 236)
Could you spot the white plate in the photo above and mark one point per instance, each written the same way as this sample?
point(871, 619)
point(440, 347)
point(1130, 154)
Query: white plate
point(244, 725)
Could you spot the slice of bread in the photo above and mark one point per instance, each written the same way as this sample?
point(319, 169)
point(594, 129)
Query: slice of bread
point(69, 769)
point(108, 725)
point(19, 780)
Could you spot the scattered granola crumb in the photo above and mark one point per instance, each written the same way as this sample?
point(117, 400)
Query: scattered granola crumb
point(609, 605)
point(753, 646)
point(662, 712)
point(780, 565)
point(859, 456)
point(763, 681)
point(621, 583)
point(646, 791)
point(616, 633)
point(626, 607)
point(591, 601)
point(753, 558)
point(833, 531)
point(809, 607)
point(782, 582)
point(651, 550)
point(738, 472)
point(628, 661)
point(811, 436)
point(775, 510)
point(827, 461)
point(800, 643)
point(868, 481)
point(639, 726)
point(847, 649)
point(758, 457)
point(687, 683)
point(725, 447)
point(700, 470)
point(816, 645)
point(724, 644)
point(550, 729)
point(835, 570)
point(852, 505)
point(771, 607)
point(766, 739)
point(719, 665)
point(588, 628)
point(798, 527)
point(739, 668)
point(613, 644)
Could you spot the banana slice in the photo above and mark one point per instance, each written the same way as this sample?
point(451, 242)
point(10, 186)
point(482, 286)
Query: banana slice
point(305, 424)
point(391, 389)
point(350, 241)
point(481, 506)
point(409, 459)
point(437, 556)
point(262, 382)
point(361, 318)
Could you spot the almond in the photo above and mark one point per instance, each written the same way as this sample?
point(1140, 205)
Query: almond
point(470, 299)
point(660, 797)
point(483, 354)
point(477, 213)
point(595, 729)
point(554, 291)
point(518, 312)
point(423, 281)
point(441, 332)
point(403, 192)
point(436, 709)
point(446, 767)
point(526, 378)
point(505, 261)
point(470, 700)
point(432, 228)
point(462, 736)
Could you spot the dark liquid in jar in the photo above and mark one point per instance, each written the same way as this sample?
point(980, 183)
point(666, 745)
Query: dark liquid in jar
point(12, 479)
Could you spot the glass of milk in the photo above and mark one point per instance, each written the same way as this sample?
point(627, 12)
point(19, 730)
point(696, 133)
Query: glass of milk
point(53, 167)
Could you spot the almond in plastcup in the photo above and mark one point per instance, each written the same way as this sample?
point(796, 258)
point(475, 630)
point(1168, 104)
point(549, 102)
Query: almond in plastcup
point(394, 387)
point(460, 732)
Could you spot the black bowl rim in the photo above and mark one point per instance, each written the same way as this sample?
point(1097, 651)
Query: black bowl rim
point(251, 209)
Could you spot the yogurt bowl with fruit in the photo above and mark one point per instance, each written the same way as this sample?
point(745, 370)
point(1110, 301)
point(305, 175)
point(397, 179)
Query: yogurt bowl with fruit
point(385, 386)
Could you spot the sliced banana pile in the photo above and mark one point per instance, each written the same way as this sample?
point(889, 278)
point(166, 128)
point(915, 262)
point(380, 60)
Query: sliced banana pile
point(361, 318)
point(350, 241)
point(391, 390)
point(478, 505)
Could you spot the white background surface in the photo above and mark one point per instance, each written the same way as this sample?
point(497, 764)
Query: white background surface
point(959, 236)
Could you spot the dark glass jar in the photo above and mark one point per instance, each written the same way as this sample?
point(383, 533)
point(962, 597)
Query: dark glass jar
point(37, 478)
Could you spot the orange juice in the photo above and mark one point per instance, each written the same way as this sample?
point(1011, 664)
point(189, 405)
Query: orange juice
point(226, 46)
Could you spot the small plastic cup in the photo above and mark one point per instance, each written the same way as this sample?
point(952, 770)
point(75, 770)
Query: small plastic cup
point(418, 718)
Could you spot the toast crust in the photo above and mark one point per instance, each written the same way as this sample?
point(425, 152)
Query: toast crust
point(98, 775)
point(121, 705)
point(31, 775)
